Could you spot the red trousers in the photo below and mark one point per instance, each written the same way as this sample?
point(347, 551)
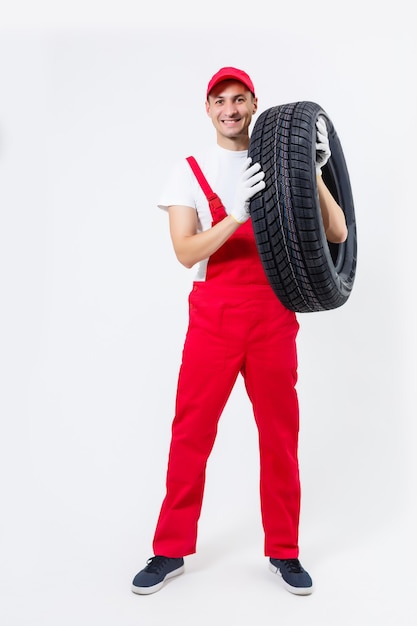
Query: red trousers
point(236, 325)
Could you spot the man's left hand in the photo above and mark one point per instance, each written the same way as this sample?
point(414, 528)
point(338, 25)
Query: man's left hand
point(323, 153)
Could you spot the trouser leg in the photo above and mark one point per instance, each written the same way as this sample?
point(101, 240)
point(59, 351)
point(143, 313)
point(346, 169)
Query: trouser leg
point(270, 374)
point(207, 375)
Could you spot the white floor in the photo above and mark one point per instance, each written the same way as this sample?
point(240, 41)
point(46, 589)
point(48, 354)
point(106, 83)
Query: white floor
point(87, 581)
point(69, 559)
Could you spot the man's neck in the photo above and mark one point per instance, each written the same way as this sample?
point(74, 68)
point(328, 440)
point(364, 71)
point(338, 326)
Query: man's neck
point(236, 144)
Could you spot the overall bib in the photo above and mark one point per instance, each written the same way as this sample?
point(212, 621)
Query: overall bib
point(236, 325)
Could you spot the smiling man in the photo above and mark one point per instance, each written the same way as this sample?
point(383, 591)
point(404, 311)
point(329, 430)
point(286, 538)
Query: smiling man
point(237, 325)
point(230, 104)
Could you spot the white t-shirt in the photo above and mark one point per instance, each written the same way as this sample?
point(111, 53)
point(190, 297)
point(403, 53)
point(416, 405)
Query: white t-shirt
point(222, 169)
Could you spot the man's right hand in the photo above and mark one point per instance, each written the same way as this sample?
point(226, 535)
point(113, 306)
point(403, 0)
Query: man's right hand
point(250, 183)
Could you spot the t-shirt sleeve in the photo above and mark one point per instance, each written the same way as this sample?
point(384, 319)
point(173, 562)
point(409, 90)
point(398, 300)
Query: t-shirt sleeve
point(178, 188)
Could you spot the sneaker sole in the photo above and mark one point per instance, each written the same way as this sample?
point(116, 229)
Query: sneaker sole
point(144, 591)
point(298, 591)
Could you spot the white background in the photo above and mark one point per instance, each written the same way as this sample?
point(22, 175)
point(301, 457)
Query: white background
point(96, 102)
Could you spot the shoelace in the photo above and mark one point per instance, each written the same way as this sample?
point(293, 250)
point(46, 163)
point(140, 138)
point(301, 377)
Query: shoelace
point(156, 563)
point(293, 565)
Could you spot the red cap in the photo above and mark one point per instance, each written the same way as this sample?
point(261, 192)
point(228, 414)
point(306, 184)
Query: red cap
point(226, 73)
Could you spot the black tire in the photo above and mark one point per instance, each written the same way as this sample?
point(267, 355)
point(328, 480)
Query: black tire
point(306, 272)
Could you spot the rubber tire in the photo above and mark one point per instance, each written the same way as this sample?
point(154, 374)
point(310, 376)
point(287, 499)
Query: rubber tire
point(307, 273)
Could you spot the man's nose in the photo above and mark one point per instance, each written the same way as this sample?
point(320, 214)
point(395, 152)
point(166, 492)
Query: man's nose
point(231, 108)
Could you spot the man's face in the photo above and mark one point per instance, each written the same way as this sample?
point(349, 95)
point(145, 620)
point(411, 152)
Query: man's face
point(230, 106)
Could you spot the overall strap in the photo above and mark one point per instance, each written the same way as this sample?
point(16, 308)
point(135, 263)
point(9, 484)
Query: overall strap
point(215, 204)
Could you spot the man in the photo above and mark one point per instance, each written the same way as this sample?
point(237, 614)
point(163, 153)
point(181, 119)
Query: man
point(236, 325)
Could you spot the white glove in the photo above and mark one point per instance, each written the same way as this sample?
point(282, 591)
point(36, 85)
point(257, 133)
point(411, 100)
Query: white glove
point(323, 153)
point(250, 183)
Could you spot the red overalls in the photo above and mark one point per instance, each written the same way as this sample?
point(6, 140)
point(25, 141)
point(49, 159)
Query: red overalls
point(236, 324)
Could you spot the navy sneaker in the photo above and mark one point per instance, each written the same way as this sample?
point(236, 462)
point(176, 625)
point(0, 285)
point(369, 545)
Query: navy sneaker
point(294, 577)
point(156, 572)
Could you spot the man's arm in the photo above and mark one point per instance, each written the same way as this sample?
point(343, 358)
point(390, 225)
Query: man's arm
point(190, 246)
point(334, 221)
